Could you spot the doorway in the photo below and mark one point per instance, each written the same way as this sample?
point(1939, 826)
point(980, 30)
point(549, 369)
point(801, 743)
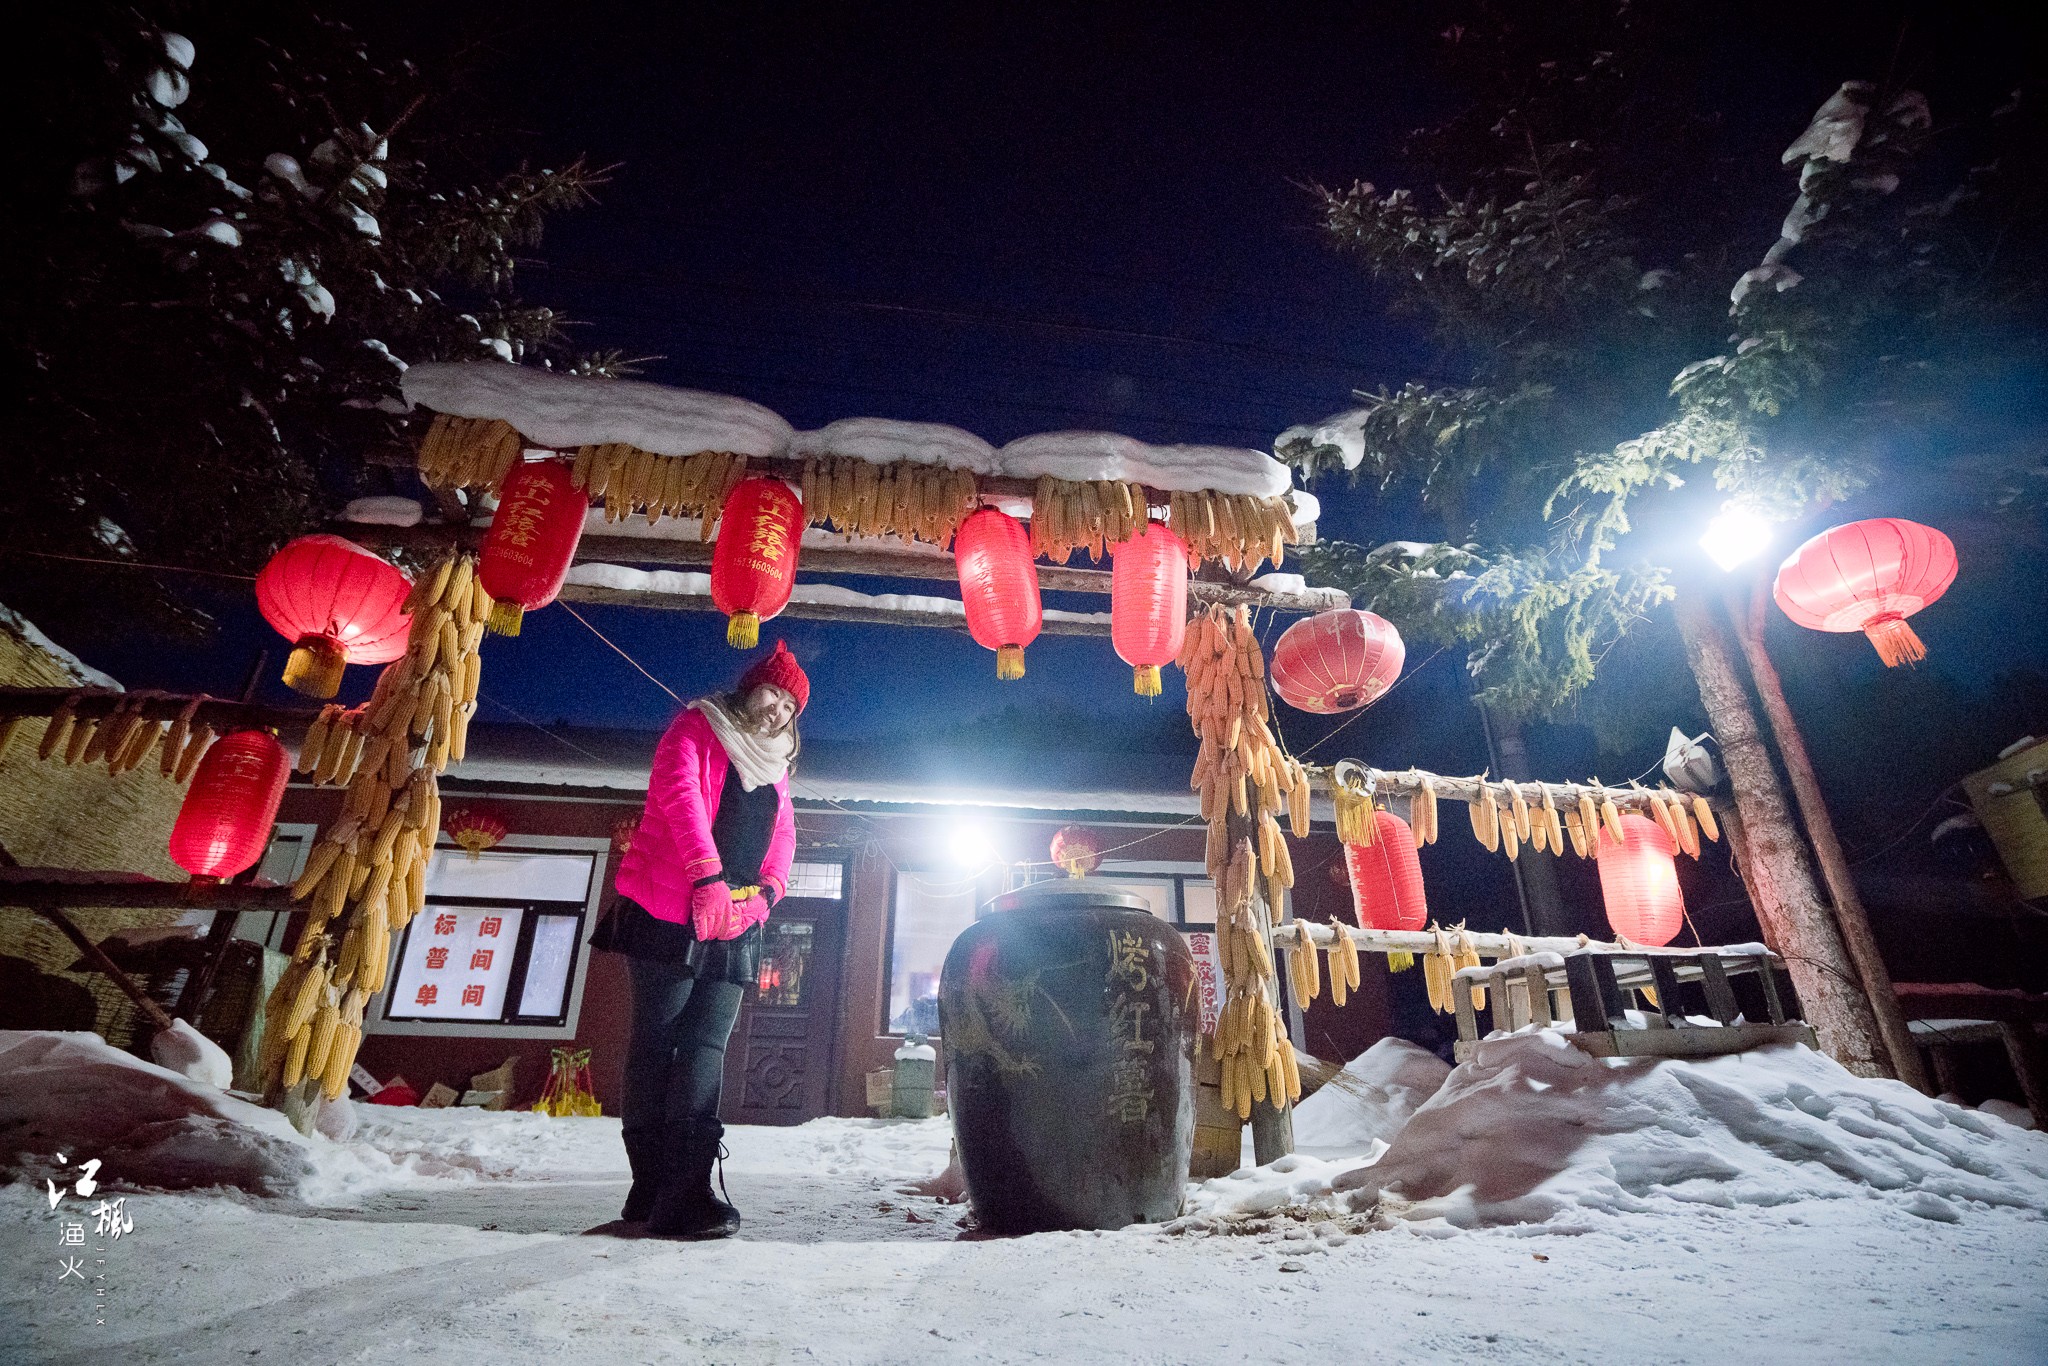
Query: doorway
point(779, 1066)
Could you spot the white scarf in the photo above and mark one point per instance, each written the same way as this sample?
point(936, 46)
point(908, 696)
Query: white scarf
point(762, 760)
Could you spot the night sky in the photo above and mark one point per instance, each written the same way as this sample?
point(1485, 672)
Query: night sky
point(1018, 219)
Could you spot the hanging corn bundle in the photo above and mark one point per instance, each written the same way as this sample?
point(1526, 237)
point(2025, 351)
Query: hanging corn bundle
point(915, 502)
point(367, 873)
point(1237, 529)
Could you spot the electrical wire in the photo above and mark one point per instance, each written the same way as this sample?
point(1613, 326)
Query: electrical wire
point(128, 564)
point(621, 653)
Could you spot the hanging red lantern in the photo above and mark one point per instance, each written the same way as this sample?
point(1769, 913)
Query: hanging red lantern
point(225, 821)
point(1639, 882)
point(1076, 850)
point(999, 586)
point(475, 830)
point(753, 562)
point(1148, 603)
point(532, 541)
point(1869, 577)
point(338, 604)
point(1386, 877)
point(1338, 660)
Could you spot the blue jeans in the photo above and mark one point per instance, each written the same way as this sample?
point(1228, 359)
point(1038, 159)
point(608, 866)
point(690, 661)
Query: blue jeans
point(675, 1059)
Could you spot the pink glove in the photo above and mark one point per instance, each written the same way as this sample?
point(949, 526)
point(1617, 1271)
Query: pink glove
point(714, 914)
point(752, 911)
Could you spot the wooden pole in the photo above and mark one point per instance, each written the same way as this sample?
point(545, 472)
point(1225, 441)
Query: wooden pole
point(97, 956)
point(1850, 914)
point(1777, 872)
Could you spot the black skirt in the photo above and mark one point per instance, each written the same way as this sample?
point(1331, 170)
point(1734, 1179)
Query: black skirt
point(629, 928)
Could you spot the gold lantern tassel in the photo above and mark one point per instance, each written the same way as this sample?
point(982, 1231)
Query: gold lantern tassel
point(743, 631)
point(1009, 662)
point(1145, 680)
point(505, 618)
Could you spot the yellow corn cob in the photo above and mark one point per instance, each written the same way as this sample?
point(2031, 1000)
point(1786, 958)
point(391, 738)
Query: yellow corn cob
point(1703, 811)
point(341, 1057)
point(1519, 806)
point(295, 1055)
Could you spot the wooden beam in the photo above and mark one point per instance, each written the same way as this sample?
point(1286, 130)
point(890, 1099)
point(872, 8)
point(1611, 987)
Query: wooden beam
point(222, 713)
point(39, 889)
point(810, 611)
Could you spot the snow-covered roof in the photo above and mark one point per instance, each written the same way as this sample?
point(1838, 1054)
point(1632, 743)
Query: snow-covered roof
point(886, 441)
point(1083, 456)
point(15, 624)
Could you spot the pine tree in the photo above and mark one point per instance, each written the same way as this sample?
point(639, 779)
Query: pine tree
point(237, 244)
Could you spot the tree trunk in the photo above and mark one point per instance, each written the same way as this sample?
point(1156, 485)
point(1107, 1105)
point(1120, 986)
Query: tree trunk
point(1850, 916)
point(1535, 878)
point(1795, 920)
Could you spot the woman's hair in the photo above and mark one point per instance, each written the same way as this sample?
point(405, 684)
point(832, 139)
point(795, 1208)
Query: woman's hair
point(735, 705)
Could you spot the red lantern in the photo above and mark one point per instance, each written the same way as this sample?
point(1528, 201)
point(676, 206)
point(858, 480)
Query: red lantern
point(1076, 850)
point(225, 821)
point(475, 830)
point(1386, 877)
point(532, 541)
point(753, 563)
point(1639, 882)
point(1337, 661)
point(1869, 577)
point(1148, 603)
point(338, 604)
point(999, 586)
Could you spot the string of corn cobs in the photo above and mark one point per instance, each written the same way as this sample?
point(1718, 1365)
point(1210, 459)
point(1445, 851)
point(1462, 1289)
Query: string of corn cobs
point(916, 502)
point(367, 873)
point(122, 738)
point(1237, 529)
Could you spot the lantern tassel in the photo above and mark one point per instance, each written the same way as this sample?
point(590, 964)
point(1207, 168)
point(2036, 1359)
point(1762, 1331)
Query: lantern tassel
point(743, 631)
point(1400, 962)
point(1009, 662)
point(1145, 680)
point(315, 666)
point(506, 617)
point(1896, 641)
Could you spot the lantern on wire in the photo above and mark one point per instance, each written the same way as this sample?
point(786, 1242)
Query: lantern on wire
point(532, 541)
point(475, 830)
point(338, 604)
point(753, 562)
point(1076, 850)
point(1868, 576)
point(999, 587)
point(225, 821)
point(1639, 881)
point(1338, 660)
point(1148, 603)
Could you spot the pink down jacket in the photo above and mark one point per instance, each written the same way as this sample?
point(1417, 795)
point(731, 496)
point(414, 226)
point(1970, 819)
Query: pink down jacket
point(672, 851)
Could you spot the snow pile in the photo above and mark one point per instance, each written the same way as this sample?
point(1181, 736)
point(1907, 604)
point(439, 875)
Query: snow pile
point(383, 510)
point(885, 441)
point(1297, 1182)
point(1371, 1098)
point(1342, 436)
point(24, 630)
point(688, 583)
point(184, 1050)
point(1083, 456)
point(467, 1143)
point(575, 410)
point(1531, 1127)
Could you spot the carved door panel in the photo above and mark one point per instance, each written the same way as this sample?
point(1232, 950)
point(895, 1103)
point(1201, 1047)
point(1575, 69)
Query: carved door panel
point(778, 1067)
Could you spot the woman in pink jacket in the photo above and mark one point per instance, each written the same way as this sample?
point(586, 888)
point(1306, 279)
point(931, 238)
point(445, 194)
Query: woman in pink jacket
point(710, 859)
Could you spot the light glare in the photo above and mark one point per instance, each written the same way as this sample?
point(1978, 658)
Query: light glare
point(1736, 537)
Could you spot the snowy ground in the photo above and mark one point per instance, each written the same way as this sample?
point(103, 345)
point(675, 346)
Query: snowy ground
point(1756, 1209)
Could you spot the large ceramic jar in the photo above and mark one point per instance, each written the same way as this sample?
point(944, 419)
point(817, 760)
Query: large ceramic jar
point(1069, 1022)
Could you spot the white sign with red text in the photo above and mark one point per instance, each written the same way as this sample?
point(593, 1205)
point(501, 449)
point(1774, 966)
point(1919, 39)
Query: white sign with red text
point(458, 960)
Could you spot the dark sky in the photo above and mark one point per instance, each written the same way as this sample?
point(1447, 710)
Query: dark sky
point(1013, 219)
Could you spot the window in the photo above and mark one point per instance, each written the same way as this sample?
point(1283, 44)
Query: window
point(784, 958)
point(924, 920)
point(818, 881)
point(498, 942)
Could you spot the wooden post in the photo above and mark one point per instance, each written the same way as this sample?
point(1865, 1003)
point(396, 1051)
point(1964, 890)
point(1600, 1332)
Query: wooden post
point(97, 956)
point(1273, 1117)
point(1796, 922)
point(2024, 1051)
point(1820, 829)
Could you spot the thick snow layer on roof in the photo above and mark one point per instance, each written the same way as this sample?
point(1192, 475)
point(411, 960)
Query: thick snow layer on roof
point(577, 410)
point(1082, 456)
point(1371, 1098)
point(886, 441)
point(1531, 1128)
point(688, 583)
point(383, 509)
point(14, 623)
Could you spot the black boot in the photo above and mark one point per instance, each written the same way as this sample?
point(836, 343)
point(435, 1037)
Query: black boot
point(643, 1155)
point(686, 1207)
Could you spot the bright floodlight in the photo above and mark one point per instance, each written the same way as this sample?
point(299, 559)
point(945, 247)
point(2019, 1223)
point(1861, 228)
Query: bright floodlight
point(1735, 537)
point(969, 845)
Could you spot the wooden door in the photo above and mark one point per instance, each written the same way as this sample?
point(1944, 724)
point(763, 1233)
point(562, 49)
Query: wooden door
point(778, 1067)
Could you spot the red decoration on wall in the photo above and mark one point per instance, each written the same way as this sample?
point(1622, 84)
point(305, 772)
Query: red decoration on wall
point(999, 586)
point(1639, 882)
point(1869, 577)
point(1386, 877)
point(475, 830)
point(1148, 603)
point(532, 541)
point(224, 824)
point(1076, 850)
point(1337, 661)
point(753, 562)
point(338, 604)
point(623, 830)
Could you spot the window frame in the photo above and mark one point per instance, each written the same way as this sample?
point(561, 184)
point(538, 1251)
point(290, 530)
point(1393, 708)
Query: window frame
point(987, 887)
point(563, 1026)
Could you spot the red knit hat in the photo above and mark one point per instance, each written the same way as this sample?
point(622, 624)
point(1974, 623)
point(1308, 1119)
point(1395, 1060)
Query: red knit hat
point(781, 670)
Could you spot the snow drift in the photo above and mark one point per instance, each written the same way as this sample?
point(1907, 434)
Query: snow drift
point(1531, 1127)
point(1371, 1098)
